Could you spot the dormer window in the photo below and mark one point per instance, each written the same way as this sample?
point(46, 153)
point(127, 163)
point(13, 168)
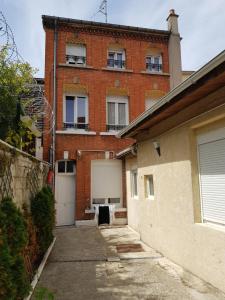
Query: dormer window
point(76, 54)
point(154, 63)
point(116, 59)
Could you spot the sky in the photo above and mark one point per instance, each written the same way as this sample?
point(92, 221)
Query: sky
point(201, 23)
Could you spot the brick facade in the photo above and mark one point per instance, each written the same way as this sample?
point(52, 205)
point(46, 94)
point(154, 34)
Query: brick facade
point(98, 82)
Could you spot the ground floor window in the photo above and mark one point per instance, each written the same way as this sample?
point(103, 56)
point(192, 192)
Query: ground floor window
point(134, 189)
point(149, 187)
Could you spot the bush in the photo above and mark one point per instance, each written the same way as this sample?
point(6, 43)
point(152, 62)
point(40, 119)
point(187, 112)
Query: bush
point(14, 282)
point(43, 214)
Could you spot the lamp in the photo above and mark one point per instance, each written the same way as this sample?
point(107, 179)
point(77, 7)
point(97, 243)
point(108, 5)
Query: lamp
point(157, 147)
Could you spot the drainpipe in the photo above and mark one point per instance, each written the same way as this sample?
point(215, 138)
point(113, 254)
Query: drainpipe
point(54, 98)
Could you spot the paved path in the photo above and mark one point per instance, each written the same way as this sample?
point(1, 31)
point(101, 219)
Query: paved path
point(85, 265)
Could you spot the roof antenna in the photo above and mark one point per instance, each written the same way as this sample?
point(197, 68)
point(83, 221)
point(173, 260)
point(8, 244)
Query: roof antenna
point(103, 10)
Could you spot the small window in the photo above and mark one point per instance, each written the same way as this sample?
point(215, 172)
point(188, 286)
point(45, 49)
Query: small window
point(117, 113)
point(154, 63)
point(149, 186)
point(76, 54)
point(116, 59)
point(98, 201)
point(76, 112)
point(66, 166)
point(134, 191)
point(61, 167)
point(113, 200)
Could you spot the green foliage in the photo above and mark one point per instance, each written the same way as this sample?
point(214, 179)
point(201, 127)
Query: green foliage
point(43, 214)
point(43, 293)
point(15, 78)
point(14, 282)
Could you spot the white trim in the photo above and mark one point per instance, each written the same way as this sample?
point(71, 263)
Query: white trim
point(119, 221)
point(76, 131)
point(109, 133)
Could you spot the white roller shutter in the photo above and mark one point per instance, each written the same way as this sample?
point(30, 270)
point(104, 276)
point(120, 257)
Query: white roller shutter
point(106, 179)
point(211, 149)
point(76, 49)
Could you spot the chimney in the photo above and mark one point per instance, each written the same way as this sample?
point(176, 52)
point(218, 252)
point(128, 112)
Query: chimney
point(174, 50)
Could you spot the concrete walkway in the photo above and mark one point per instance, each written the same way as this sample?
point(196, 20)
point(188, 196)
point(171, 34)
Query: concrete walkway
point(85, 265)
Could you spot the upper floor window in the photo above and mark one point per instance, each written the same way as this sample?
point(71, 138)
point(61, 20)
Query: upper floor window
point(76, 112)
point(154, 63)
point(76, 54)
point(116, 59)
point(117, 113)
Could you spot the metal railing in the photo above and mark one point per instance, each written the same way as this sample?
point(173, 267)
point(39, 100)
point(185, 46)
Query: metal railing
point(115, 63)
point(154, 67)
point(115, 127)
point(75, 126)
point(75, 60)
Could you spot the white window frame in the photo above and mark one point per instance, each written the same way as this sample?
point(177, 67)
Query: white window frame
point(150, 195)
point(76, 54)
point(75, 110)
point(152, 58)
point(132, 184)
point(117, 100)
point(66, 173)
point(116, 52)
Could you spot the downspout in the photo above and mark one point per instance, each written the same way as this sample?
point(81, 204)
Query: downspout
point(54, 98)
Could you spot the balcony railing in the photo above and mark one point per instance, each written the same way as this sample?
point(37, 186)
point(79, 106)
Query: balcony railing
point(114, 63)
point(115, 127)
point(75, 126)
point(154, 67)
point(75, 60)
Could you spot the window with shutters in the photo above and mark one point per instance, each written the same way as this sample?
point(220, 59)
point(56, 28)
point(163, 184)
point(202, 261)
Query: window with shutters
point(211, 157)
point(117, 113)
point(154, 63)
point(76, 54)
point(116, 59)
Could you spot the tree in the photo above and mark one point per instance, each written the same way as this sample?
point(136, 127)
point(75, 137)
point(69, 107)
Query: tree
point(15, 79)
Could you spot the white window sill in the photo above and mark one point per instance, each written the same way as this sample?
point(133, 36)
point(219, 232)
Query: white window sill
point(117, 70)
point(155, 73)
point(81, 132)
point(76, 66)
point(134, 197)
point(109, 133)
point(150, 198)
point(212, 226)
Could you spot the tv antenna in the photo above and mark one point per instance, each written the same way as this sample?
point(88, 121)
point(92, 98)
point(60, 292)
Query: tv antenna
point(103, 10)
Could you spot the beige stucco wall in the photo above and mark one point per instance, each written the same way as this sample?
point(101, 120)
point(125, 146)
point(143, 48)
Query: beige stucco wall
point(171, 222)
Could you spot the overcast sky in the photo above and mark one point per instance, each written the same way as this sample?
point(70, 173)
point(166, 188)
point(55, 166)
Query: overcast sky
point(201, 23)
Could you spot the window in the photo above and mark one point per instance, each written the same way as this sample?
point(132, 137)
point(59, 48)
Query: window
point(66, 166)
point(149, 187)
point(75, 54)
point(134, 192)
point(116, 59)
point(76, 112)
point(149, 103)
point(154, 63)
point(117, 113)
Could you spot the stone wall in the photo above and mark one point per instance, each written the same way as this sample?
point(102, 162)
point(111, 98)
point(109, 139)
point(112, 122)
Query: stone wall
point(21, 175)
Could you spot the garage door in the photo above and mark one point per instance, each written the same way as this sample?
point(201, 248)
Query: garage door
point(211, 149)
point(106, 182)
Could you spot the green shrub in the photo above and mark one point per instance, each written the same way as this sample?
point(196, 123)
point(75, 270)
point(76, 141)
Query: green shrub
point(43, 214)
point(14, 282)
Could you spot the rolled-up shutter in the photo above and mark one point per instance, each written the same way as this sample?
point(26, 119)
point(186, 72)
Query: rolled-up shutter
point(212, 176)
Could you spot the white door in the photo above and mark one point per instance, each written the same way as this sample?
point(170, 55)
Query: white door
point(211, 149)
point(65, 193)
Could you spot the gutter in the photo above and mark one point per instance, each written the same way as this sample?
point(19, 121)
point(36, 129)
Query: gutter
point(194, 78)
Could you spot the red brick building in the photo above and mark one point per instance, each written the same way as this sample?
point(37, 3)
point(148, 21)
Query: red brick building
point(98, 78)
